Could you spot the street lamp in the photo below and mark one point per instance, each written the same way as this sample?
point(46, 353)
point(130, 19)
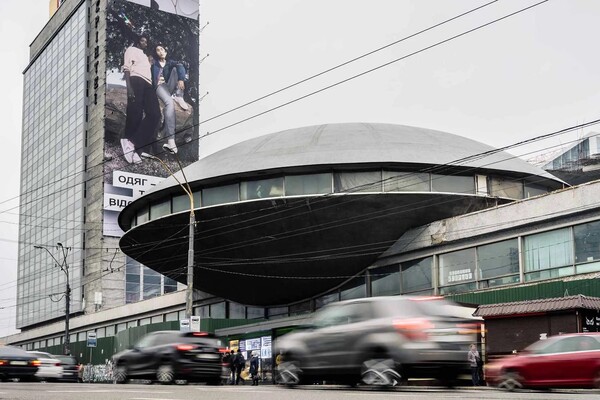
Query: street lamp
point(64, 267)
point(189, 294)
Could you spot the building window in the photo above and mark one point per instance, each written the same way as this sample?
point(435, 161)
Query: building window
point(161, 209)
point(326, 299)
point(416, 275)
point(255, 312)
point(237, 311)
point(142, 216)
point(300, 308)
point(172, 316)
point(457, 271)
point(385, 281)
point(182, 202)
point(132, 281)
point(356, 182)
point(532, 190)
point(548, 255)
point(170, 285)
point(406, 182)
point(261, 189)
point(504, 187)
point(277, 312)
point(151, 283)
point(587, 247)
point(355, 289)
point(498, 263)
point(453, 184)
point(220, 195)
point(217, 310)
point(296, 185)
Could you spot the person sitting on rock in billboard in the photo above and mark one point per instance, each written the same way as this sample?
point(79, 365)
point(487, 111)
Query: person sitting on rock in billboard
point(168, 76)
point(143, 110)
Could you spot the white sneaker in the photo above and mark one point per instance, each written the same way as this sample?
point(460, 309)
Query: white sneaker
point(170, 146)
point(136, 158)
point(179, 100)
point(128, 150)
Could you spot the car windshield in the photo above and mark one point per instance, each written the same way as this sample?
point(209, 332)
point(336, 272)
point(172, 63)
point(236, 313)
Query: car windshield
point(13, 351)
point(40, 354)
point(539, 346)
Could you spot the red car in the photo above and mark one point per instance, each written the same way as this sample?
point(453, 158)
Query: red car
point(571, 360)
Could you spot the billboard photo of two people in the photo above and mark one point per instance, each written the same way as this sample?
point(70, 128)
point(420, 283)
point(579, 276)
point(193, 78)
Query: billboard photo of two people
point(151, 103)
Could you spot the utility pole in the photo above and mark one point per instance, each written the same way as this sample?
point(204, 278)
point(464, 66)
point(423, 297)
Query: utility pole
point(185, 185)
point(64, 267)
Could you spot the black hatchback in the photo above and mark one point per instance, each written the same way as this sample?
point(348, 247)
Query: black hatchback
point(17, 363)
point(167, 356)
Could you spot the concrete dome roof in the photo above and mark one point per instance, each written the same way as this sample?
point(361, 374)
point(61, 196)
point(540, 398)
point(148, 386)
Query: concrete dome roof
point(352, 143)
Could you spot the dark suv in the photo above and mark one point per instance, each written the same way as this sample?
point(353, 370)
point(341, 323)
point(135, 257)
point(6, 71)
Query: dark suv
point(166, 356)
point(380, 341)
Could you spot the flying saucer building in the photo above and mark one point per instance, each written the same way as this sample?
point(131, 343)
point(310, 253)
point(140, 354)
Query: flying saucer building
point(284, 218)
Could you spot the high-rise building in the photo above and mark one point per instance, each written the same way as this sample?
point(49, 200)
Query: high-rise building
point(91, 108)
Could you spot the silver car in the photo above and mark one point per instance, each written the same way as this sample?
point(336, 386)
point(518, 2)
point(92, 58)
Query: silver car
point(380, 341)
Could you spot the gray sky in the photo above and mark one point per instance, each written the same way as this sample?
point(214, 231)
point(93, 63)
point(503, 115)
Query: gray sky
point(528, 75)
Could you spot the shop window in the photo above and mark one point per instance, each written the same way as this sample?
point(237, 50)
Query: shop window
point(161, 209)
point(142, 216)
point(255, 312)
point(326, 299)
point(277, 312)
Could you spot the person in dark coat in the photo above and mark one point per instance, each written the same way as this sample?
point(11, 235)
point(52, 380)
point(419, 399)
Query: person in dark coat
point(240, 364)
point(254, 361)
point(231, 365)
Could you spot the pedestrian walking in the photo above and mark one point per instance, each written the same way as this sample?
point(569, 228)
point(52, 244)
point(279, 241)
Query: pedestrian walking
point(240, 364)
point(254, 362)
point(231, 365)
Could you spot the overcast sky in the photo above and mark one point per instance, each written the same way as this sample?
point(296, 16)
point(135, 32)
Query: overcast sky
point(528, 75)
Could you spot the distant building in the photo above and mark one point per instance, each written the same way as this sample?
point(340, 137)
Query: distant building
point(577, 164)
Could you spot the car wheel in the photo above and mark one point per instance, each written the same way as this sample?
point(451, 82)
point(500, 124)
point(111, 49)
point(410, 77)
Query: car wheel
point(165, 374)
point(380, 371)
point(120, 374)
point(289, 373)
point(510, 380)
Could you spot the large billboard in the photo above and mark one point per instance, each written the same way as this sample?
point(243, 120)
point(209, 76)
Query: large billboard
point(152, 52)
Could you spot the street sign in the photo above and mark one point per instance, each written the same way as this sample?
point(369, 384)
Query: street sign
point(184, 325)
point(91, 339)
point(195, 323)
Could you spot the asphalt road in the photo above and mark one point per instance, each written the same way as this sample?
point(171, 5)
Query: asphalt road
point(85, 391)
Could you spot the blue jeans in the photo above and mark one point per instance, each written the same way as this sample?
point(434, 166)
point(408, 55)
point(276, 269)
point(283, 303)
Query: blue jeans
point(164, 92)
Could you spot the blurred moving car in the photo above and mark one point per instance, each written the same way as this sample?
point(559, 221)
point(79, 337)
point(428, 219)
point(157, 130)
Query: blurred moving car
point(380, 341)
point(17, 363)
point(71, 368)
point(50, 368)
point(167, 356)
point(571, 360)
